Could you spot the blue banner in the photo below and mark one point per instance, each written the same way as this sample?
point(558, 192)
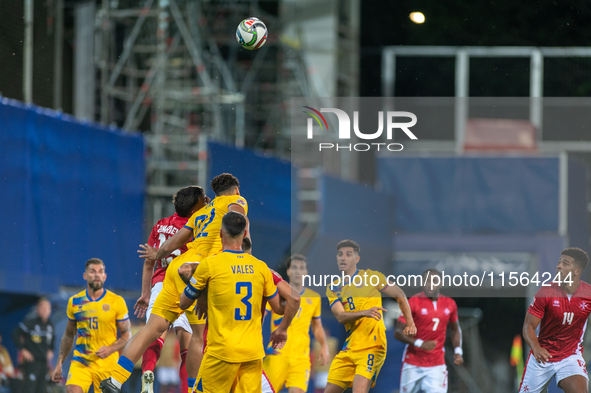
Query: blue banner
point(267, 186)
point(472, 194)
point(69, 191)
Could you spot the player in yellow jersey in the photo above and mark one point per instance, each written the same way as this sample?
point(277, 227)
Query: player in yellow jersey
point(358, 305)
point(290, 366)
point(96, 314)
point(237, 284)
point(204, 227)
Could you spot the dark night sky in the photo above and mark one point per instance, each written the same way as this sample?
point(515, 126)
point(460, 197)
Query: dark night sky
point(461, 22)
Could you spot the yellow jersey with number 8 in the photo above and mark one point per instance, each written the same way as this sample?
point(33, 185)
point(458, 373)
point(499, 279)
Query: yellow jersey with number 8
point(207, 222)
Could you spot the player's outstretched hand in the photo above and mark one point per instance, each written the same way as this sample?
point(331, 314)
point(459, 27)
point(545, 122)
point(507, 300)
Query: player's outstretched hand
point(374, 313)
point(458, 359)
point(429, 345)
point(141, 306)
point(56, 376)
point(147, 251)
point(410, 330)
point(541, 355)
point(278, 338)
point(103, 352)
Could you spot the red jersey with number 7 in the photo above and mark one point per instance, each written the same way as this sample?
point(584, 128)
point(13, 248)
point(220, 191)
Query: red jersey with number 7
point(564, 319)
point(431, 318)
point(163, 230)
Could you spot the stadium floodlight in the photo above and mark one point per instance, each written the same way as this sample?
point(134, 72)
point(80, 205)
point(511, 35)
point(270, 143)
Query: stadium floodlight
point(417, 17)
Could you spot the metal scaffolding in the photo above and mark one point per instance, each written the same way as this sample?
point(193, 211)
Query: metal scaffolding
point(180, 77)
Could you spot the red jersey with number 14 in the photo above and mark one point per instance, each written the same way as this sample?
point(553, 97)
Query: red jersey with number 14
point(163, 230)
point(564, 319)
point(431, 319)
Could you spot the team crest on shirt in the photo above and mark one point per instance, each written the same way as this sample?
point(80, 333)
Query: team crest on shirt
point(106, 307)
point(309, 301)
point(584, 306)
point(556, 303)
point(241, 202)
point(446, 311)
point(424, 311)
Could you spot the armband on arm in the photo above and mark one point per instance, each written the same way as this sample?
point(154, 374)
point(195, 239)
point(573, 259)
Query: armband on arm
point(191, 292)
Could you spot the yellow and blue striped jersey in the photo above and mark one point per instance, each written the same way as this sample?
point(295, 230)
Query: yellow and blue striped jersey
point(365, 332)
point(298, 332)
point(207, 222)
point(237, 283)
point(96, 321)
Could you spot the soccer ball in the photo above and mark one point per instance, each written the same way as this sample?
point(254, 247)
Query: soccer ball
point(251, 33)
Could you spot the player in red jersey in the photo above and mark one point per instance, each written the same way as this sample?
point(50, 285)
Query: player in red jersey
point(423, 362)
point(561, 312)
point(186, 201)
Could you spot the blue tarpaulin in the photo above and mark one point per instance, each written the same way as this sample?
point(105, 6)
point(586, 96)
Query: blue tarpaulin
point(69, 191)
point(472, 194)
point(266, 184)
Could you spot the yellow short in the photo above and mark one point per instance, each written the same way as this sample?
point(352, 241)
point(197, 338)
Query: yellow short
point(84, 376)
point(282, 369)
point(216, 376)
point(347, 364)
point(167, 302)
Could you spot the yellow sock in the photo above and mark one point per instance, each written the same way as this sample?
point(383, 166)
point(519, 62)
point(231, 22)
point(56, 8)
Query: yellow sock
point(122, 370)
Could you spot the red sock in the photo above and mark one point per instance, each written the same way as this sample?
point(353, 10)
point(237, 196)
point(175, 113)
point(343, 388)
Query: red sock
point(183, 372)
point(152, 355)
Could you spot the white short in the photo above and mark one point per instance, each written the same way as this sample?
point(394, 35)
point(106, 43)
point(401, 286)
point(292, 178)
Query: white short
point(537, 376)
point(181, 321)
point(168, 375)
point(266, 385)
point(429, 379)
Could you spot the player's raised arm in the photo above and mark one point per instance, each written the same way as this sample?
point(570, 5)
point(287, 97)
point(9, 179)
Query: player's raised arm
point(65, 348)
point(396, 293)
point(177, 241)
point(529, 334)
point(195, 286)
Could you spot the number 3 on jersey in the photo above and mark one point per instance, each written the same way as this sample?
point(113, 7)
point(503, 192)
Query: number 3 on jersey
point(239, 289)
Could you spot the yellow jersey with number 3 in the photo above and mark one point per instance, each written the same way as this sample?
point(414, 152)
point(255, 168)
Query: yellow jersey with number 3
point(207, 222)
point(96, 322)
point(298, 344)
point(365, 332)
point(237, 283)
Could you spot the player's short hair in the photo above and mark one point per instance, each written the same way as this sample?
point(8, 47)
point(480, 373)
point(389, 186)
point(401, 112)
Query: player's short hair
point(246, 244)
point(42, 299)
point(234, 223)
point(296, 257)
point(580, 256)
point(94, 261)
point(185, 198)
point(349, 243)
point(223, 182)
point(431, 272)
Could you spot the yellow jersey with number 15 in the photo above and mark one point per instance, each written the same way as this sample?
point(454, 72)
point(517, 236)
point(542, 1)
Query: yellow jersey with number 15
point(96, 323)
point(207, 222)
